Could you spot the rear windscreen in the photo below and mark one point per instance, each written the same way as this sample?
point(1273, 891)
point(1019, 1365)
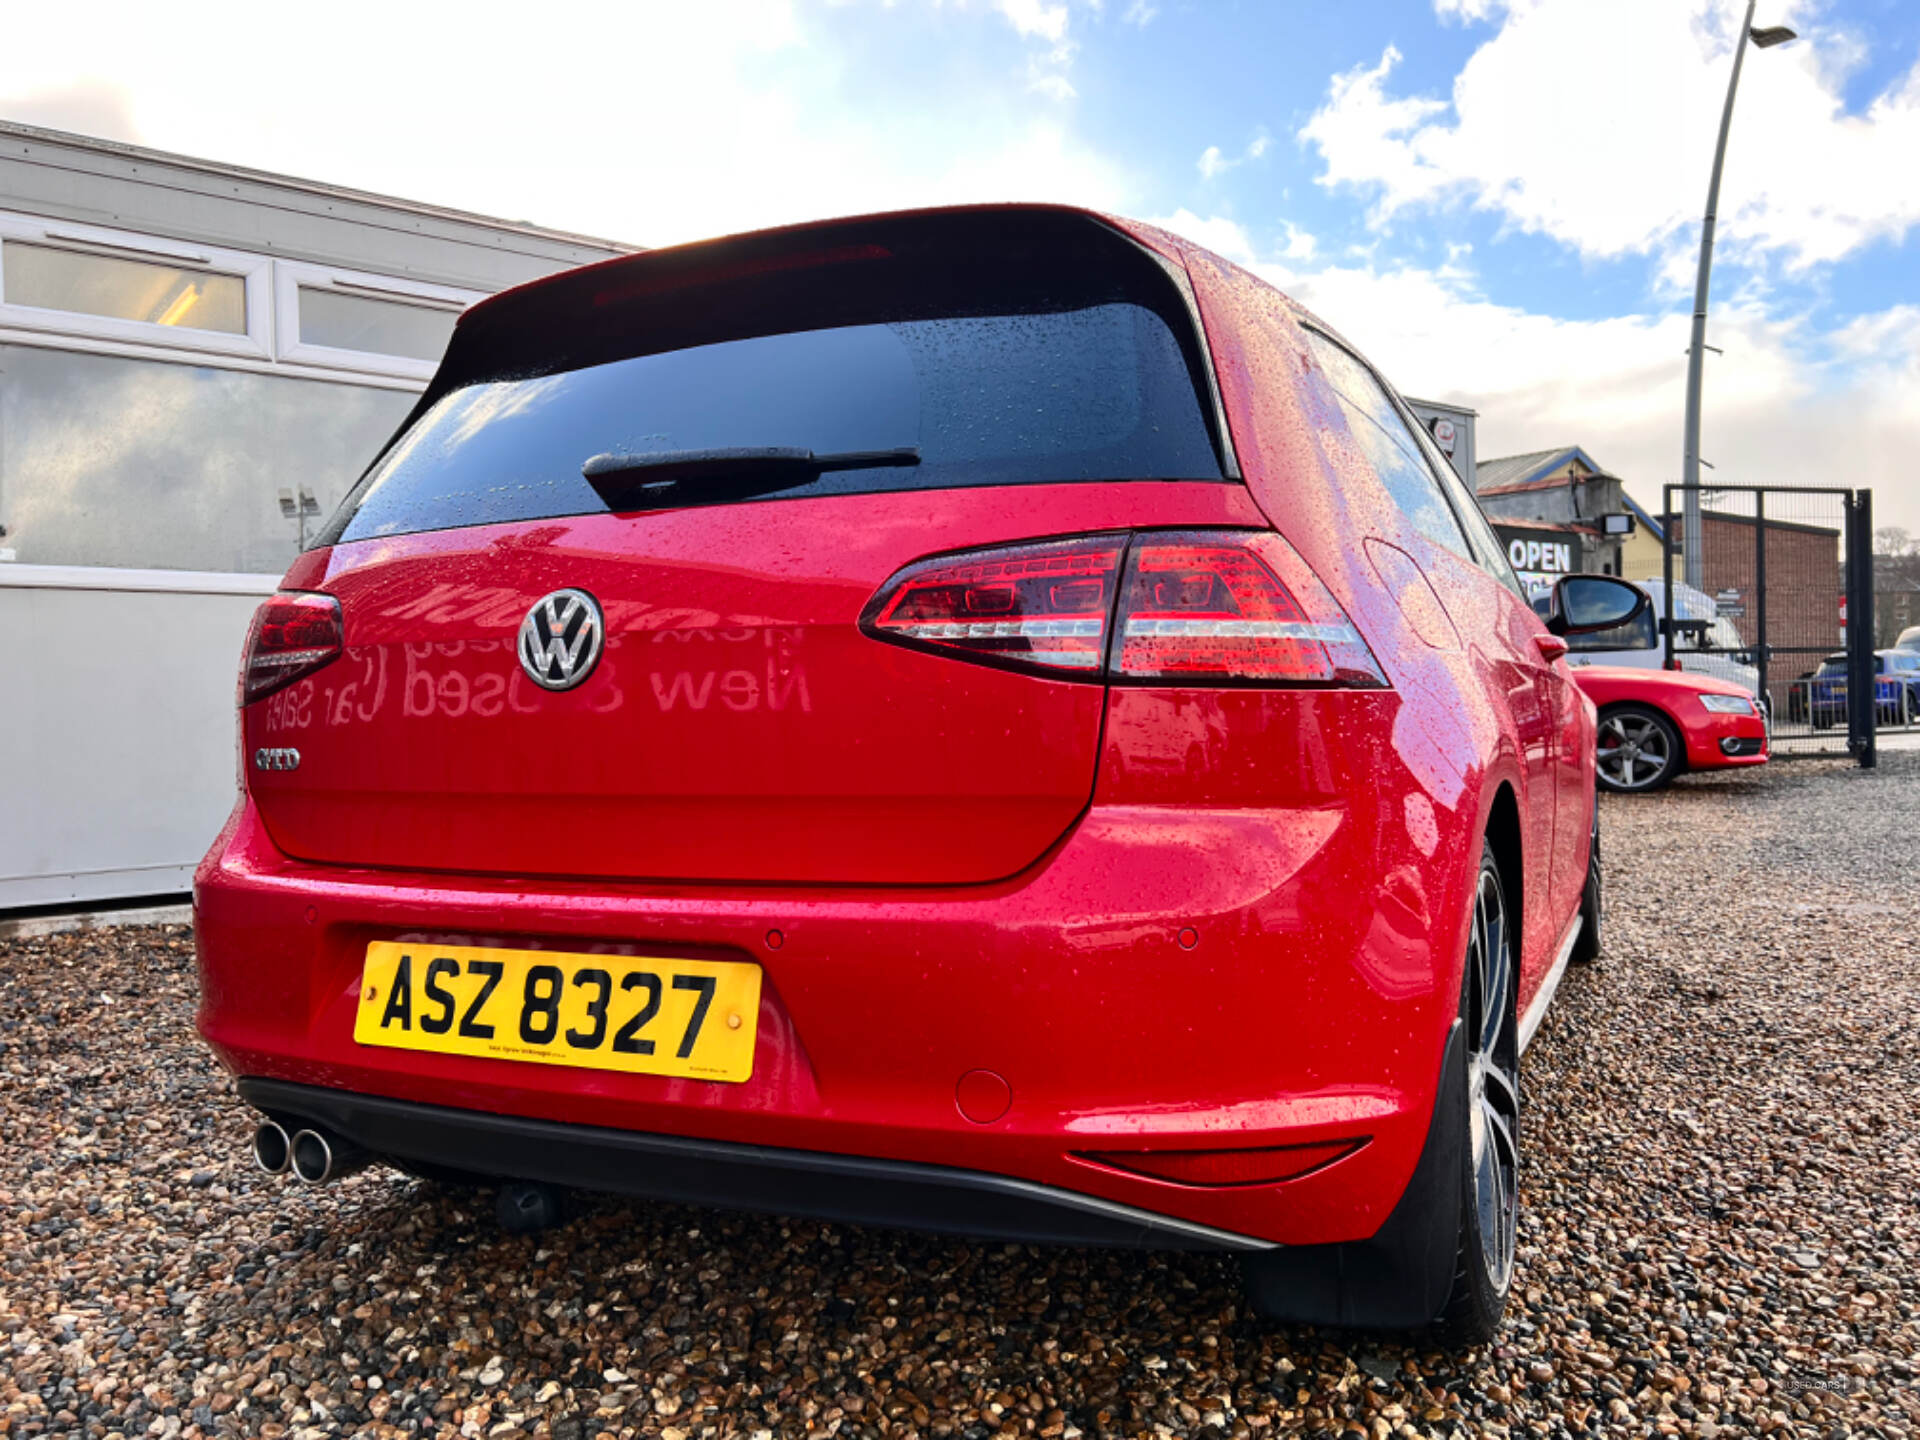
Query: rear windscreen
point(983, 374)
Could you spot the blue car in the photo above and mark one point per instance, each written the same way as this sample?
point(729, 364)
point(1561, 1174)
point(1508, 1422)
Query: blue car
point(1896, 689)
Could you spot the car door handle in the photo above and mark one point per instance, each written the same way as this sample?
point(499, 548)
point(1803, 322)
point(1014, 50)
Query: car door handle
point(1551, 647)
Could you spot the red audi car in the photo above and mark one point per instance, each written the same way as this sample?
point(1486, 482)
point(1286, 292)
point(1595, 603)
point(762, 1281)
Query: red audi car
point(1654, 724)
point(987, 720)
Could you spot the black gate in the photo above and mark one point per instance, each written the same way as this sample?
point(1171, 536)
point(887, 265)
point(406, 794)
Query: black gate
point(1776, 592)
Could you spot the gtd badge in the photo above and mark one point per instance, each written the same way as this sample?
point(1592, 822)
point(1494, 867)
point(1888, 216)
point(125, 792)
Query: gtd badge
point(560, 639)
point(281, 758)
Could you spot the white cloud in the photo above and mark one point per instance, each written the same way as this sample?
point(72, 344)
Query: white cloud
point(1466, 11)
point(1214, 161)
point(1035, 18)
point(1368, 138)
point(748, 116)
point(1618, 166)
point(1299, 244)
point(1885, 348)
point(1226, 238)
point(1141, 13)
point(1048, 70)
point(1051, 83)
point(1040, 161)
point(87, 108)
point(1786, 404)
point(1890, 338)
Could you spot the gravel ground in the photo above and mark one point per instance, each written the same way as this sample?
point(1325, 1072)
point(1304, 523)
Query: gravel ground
point(1721, 1233)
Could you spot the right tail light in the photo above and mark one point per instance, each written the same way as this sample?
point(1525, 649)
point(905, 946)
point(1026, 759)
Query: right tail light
point(1200, 607)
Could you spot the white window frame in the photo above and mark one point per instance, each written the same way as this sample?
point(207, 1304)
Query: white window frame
point(254, 271)
point(291, 276)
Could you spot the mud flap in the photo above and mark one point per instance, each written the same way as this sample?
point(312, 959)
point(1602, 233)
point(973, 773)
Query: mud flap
point(1401, 1277)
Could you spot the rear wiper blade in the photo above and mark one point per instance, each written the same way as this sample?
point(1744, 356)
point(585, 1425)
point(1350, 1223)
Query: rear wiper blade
point(757, 468)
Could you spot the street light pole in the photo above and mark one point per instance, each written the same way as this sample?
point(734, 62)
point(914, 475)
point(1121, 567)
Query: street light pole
point(1690, 464)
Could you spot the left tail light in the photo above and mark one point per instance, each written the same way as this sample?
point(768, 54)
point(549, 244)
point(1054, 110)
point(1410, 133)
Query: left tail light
point(295, 633)
point(1203, 607)
point(1032, 607)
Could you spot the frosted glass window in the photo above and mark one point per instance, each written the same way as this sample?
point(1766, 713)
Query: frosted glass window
point(106, 460)
point(381, 327)
point(149, 291)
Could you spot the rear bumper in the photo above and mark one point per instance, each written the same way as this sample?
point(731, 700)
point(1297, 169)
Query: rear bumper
point(848, 1188)
point(1166, 978)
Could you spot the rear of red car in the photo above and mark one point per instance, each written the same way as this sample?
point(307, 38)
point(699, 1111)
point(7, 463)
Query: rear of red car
point(821, 721)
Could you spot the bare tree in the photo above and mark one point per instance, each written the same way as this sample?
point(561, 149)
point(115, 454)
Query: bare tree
point(1894, 540)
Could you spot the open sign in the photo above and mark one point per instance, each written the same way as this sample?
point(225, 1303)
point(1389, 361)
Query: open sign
point(1552, 556)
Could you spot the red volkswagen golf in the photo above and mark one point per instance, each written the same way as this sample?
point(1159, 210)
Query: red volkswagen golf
point(988, 720)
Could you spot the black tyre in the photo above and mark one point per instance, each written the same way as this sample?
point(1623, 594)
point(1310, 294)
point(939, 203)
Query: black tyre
point(1443, 1261)
point(1586, 949)
point(1638, 750)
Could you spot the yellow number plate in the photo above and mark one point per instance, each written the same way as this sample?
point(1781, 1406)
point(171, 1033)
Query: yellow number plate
point(607, 1012)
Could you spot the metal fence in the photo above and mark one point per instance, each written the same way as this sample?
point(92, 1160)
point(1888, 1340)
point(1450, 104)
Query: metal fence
point(1776, 592)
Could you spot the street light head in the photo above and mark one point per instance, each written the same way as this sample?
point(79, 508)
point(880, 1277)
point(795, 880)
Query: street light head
point(1768, 36)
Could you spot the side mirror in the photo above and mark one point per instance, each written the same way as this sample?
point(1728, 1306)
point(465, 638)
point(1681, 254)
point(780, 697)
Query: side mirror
point(1585, 604)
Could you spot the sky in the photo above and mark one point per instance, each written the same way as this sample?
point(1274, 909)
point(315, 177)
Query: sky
point(1497, 200)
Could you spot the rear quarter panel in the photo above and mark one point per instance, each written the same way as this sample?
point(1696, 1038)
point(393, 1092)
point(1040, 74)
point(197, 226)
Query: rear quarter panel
point(1467, 714)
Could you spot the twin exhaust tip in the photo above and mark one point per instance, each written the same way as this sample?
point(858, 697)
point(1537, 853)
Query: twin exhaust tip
point(272, 1148)
point(314, 1156)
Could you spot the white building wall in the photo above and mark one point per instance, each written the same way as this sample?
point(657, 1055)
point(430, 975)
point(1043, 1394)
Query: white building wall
point(1437, 417)
point(152, 474)
point(117, 727)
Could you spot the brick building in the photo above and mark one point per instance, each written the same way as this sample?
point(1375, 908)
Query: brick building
point(1805, 581)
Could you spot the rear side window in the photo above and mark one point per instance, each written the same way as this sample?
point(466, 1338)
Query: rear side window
point(1488, 553)
point(945, 374)
point(1390, 446)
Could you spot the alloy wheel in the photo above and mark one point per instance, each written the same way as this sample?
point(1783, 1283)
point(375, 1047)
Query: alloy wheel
point(1493, 1082)
point(1634, 751)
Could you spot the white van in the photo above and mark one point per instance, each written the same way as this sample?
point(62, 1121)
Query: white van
point(1697, 622)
